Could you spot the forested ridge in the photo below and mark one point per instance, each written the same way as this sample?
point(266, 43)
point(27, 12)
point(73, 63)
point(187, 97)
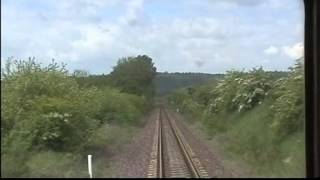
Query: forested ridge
point(167, 82)
point(164, 83)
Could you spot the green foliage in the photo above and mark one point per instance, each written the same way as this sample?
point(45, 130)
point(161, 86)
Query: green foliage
point(135, 75)
point(80, 73)
point(108, 137)
point(249, 137)
point(240, 91)
point(46, 116)
point(55, 164)
point(119, 107)
point(202, 95)
point(288, 108)
point(99, 81)
point(258, 115)
point(44, 106)
point(10, 166)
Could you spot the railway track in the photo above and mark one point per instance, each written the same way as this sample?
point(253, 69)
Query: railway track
point(171, 155)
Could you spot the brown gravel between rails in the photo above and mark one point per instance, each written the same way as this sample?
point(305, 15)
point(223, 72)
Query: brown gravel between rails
point(174, 162)
point(133, 161)
point(208, 158)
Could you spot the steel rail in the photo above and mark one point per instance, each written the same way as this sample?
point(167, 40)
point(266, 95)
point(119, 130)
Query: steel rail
point(195, 172)
point(156, 169)
point(156, 165)
point(160, 160)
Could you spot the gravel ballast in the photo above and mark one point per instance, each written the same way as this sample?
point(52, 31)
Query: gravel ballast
point(133, 160)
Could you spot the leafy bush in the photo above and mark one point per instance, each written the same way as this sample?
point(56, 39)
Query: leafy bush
point(240, 91)
point(43, 109)
point(117, 107)
point(288, 108)
point(44, 106)
point(258, 115)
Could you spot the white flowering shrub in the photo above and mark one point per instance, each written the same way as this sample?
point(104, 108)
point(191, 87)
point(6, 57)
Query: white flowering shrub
point(258, 116)
point(240, 91)
point(288, 110)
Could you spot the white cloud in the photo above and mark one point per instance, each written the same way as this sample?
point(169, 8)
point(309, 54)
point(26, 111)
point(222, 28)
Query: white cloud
point(86, 32)
point(271, 50)
point(295, 51)
point(82, 7)
point(134, 11)
point(94, 39)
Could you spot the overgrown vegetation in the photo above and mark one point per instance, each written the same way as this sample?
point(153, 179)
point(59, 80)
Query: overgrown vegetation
point(49, 123)
point(257, 116)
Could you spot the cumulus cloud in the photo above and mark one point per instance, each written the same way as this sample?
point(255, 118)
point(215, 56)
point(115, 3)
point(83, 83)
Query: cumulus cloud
point(134, 12)
point(94, 34)
point(295, 51)
point(271, 50)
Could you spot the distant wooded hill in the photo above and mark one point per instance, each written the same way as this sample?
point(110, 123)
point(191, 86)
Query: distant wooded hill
point(167, 82)
point(164, 82)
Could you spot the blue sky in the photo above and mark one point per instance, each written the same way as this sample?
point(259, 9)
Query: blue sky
point(209, 36)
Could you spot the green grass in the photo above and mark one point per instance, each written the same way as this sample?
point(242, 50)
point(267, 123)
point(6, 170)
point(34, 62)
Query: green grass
point(249, 136)
point(106, 141)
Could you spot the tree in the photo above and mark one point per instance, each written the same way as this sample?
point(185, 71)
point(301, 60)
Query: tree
point(135, 75)
point(80, 73)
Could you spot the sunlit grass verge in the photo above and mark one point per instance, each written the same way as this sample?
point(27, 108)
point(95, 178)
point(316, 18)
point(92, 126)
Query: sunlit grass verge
point(250, 139)
point(105, 142)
